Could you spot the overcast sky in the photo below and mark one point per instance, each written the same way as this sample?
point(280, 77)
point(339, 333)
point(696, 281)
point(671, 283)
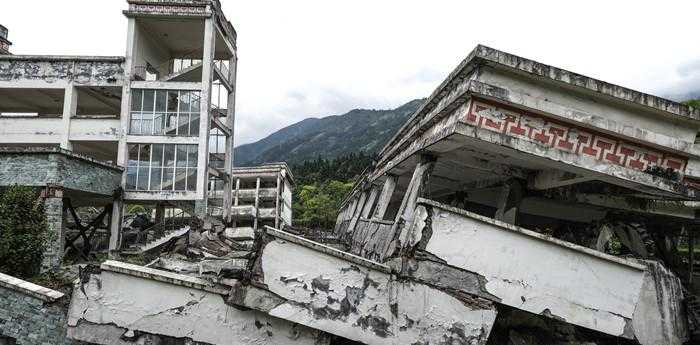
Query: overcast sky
point(308, 58)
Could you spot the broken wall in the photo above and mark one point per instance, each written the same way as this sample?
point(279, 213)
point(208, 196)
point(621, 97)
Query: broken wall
point(125, 304)
point(30, 314)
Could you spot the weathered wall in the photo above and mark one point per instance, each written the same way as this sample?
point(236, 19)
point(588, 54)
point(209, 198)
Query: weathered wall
point(545, 276)
point(40, 71)
point(42, 168)
point(110, 305)
point(341, 294)
point(29, 319)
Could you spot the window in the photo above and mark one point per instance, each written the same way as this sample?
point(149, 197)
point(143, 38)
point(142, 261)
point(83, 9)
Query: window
point(164, 112)
point(162, 167)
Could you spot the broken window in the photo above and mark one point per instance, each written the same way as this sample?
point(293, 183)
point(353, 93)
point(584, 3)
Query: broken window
point(164, 112)
point(162, 167)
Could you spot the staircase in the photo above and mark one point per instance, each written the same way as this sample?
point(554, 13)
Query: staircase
point(160, 234)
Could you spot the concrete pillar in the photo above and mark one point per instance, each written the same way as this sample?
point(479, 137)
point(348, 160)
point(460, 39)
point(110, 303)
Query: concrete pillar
point(370, 201)
point(115, 234)
point(122, 154)
point(278, 214)
point(257, 203)
point(70, 109)
point(385, 197)
point(55, 221)
point(415, 189)
point(509, 201)
point(205, 110)
point(230, 123)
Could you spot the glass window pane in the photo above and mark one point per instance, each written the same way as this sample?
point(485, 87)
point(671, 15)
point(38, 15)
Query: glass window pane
point(136, 98)
point(148, 100)
point(192, 156)
point(145, 156)
point(131, 178)
point(157, 155)
point(172, 101)
point(171, 124)
point(181, 156)
point(183, 124)
point(169, 156)
point(184, 101)
point(135, 125)
point(194, 101)
point(133, 155)
point(194, 124)
point(192, 179)
point(155, 179)
point(142, 180)
point(158, 123)
point(167, 179)
point(180, 178)
point(161, 101)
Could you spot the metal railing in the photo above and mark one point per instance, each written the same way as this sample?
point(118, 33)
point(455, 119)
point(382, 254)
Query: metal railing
point(175, 222)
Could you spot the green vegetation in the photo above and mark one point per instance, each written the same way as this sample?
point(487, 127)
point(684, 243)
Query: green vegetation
point(322, 184)
point(23, 232)
point(695, 103)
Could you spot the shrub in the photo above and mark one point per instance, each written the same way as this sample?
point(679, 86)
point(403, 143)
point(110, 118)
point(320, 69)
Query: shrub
point(23, 232)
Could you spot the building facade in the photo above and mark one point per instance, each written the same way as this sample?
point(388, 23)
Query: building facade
point(163, 113)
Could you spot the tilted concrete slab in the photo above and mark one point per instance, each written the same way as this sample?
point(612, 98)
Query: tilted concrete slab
point(542, 275)
point(125, 304)
point(355, 298)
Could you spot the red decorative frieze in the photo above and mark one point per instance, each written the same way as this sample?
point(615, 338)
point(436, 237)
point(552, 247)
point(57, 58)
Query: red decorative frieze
point(565, 137)
point(168, 9)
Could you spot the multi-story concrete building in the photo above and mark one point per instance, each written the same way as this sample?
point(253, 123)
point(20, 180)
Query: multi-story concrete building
point(262, 195)
point(149, 116)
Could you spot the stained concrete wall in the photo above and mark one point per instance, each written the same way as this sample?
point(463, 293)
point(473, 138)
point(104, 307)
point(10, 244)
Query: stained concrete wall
point(322, 288)
point(549, 277)
point(30, 314)
point(57, 71)
point(125, 304)
point(57, 168)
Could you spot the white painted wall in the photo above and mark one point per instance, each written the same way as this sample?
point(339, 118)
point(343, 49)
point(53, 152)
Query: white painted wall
point(139, 304)
point(536, 274)
point(422, 314)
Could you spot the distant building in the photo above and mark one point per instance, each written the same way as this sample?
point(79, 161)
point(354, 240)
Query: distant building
point(4, 42)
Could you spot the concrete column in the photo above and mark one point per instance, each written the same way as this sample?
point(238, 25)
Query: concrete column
point(404, 216)
point(122, 149)
point(509, 201)
point(257, 203)
point(235, 194)
point(385, 197)
point(205, 112)
point(358, 211)
point(70, 109)
point(115, 234)
point(278, 214)
point(370, 201)
point(55, 221)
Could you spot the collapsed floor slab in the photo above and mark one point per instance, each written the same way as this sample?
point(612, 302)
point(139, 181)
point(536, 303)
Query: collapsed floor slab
point(125, 304)
point(342, 294)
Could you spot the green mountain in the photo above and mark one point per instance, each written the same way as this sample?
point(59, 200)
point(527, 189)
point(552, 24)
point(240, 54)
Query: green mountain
point(328, 137)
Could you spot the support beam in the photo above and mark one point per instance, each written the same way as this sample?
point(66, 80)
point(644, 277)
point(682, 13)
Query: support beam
point(548, 179)
point(385, 197)
point(277, 203)
point(358, 211)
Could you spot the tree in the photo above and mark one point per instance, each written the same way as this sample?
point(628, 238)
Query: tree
point(695, 103)
point(317, 204)
point(23, 232)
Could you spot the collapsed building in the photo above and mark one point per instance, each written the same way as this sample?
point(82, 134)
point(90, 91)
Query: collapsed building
point(521, 204)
